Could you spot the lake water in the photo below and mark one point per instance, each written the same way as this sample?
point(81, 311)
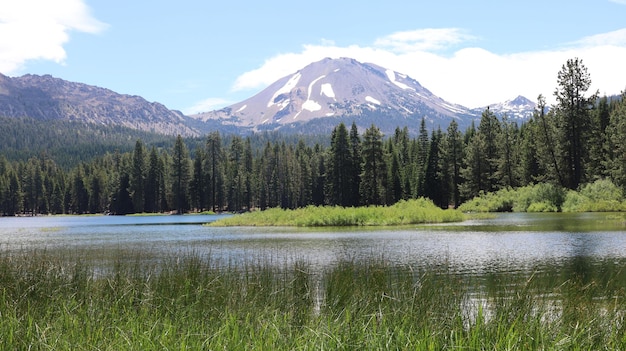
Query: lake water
point(507, 243)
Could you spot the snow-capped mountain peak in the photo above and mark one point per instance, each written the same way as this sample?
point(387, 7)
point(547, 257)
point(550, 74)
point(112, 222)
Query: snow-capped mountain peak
point(337, 88)
point(316, 97)
point(518, 108)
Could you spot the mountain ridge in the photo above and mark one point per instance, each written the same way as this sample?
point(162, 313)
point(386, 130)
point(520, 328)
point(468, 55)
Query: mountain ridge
point(312, 100)
point(48, 98)
point(345, 89)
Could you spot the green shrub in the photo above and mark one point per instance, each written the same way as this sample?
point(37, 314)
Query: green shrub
point(402, 213)
point(542, 206)
point(599, 196)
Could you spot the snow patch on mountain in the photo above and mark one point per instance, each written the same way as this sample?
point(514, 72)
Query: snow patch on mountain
point(291, 83)
point(391, 75)
point(372, 100)
point(311, 106)
point(327, 89)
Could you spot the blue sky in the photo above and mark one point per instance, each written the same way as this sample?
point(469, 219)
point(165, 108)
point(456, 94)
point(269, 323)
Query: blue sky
point(195, 55)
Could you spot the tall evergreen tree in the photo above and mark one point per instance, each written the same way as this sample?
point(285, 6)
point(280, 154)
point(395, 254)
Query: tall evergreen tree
point(435, 188)
point(617, 137)
point(573, 119)
point(138, 177)
point(421, 161)
point(454, 159)
point(198, 186)
point(339, 168)
point(215, 160)
point(153, 183)
point(508, 160)
point(355, 166)
point(374, 175)
point(599, 149)
point(180, 175)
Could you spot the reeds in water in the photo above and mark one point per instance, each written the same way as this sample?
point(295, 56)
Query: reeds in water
point(50, 301)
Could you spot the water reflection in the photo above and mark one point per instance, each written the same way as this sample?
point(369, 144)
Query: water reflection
point(508, 243)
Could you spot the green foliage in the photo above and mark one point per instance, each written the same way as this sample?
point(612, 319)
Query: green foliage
point(56, 301)
point(402, 213)
point(599, 196)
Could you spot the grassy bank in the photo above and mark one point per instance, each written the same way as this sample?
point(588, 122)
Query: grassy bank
point(402, 213)
point(55, 302)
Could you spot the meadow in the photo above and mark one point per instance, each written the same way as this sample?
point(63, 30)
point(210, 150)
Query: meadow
point(62, 300)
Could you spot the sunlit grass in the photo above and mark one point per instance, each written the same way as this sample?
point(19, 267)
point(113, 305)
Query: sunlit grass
point(402, 213)
point(51, 301)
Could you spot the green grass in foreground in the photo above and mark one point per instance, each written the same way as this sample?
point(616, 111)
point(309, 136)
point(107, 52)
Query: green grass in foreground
point(50, 302)
point(402, 213)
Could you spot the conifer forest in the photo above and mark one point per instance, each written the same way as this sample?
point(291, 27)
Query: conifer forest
point(579, 139)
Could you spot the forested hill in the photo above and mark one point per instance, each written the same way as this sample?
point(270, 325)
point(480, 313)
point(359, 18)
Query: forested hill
point(579, 140)
point(68, 142)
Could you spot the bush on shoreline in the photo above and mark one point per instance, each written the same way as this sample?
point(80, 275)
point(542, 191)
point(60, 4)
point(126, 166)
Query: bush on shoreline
point(599, 196)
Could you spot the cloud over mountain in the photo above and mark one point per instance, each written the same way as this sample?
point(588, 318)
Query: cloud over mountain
point(450, 63)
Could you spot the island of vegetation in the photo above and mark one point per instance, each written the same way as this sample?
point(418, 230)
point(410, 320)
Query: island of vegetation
point(416, 211)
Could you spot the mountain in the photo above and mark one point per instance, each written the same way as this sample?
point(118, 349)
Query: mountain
point(519, 108)
point(317, 97)
point(49, 98)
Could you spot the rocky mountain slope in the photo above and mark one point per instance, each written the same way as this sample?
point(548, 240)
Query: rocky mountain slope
point(311, 101)
point(317, 97)
point(332, 89)
point(49, 98)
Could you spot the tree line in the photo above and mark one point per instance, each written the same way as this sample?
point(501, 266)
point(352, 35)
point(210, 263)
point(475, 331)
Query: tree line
point(578, 140)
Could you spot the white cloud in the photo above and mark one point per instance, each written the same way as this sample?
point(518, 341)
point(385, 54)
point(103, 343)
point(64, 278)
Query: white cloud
point(38, 29)
point(623, 2)
point(470, 76)
point(209, 104)
point(617, 38)
point(423, 39)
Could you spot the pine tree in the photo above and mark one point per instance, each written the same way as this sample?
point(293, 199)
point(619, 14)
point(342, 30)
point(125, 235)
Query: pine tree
point(215, 160)
point(339, 168)
point(617, 137)
point(355, 166)
point(435, 188)
point(198, 186)
point(454, 160)
point(153, 183)
point(573, 120)
point(374, 175)
point(421, 161)
point(138, 177)
point(508, 160)
point(180, 175)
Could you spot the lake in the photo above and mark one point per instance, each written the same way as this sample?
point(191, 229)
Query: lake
point(511, 242)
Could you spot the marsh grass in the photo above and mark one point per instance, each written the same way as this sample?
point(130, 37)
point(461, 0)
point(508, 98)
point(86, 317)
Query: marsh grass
point(402, 213)
point(55, 301)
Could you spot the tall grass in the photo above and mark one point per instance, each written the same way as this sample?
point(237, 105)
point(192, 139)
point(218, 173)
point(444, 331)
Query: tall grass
point(402, 213)
point(49, 301)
